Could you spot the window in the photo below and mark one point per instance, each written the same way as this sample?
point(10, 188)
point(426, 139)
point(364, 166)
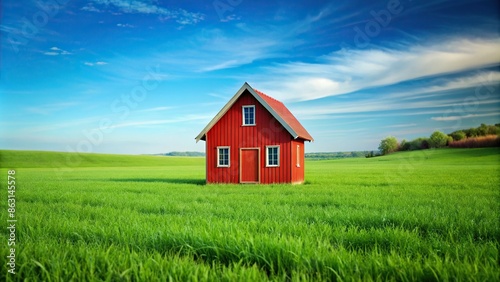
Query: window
point(222, 156)
point(298, 155)
point(248, 115)
point(272, 155)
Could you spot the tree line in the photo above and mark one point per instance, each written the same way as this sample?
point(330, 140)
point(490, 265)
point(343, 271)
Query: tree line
point(482, 136)
point(335, 155)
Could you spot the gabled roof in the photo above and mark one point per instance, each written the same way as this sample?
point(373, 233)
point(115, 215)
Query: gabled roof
point(276, 108)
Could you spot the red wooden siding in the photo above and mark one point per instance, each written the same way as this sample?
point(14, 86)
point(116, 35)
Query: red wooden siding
point(229, 131)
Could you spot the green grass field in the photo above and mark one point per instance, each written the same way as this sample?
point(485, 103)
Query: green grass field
point(428, 215)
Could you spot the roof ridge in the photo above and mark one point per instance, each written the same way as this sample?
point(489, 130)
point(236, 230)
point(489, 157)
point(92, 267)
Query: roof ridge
point(275, 107)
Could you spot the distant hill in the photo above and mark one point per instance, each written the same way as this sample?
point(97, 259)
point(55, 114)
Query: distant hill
point(314, 156)
point(337, 155)
point(185, 154)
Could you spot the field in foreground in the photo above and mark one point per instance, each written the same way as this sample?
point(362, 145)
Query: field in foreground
point(428, 215)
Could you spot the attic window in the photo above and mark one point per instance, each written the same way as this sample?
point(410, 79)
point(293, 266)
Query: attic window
point(248, 115)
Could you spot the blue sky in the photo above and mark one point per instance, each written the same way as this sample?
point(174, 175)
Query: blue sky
point(146, 76)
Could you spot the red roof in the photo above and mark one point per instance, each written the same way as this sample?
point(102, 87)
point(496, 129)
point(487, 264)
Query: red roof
point(286, 115)
point(275, 107)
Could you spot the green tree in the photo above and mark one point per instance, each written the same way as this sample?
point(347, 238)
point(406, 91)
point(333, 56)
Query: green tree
point(419, 144)
point(404, 145)
point(450, 139)
point(388, 145)
point(458, 135)
point(482, 130)
point(438, 139)
point(493, 130)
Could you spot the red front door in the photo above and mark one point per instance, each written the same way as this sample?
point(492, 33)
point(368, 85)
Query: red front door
point(249, 165)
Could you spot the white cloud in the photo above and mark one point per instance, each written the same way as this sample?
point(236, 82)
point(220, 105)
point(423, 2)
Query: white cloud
point(125, 25)
point(405, 125)
point(384, 105)
point(99, 63)
point(415, 101)
point(90, 8)
point(181, 16)
point(156, 109)
point(55, 51)
point(51, 53)
point(459, 117)
point(230, 18)
point(489, 80)
point(347, 71)
point(217, 50)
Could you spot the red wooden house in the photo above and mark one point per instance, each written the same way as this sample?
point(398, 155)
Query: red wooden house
point(254, 139)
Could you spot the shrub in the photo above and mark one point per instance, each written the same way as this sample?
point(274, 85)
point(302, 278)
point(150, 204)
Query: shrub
point(388, 145)
point(404, 145)
point(438, 139)
point(477, 142)
point(458, 135)
point(370, 155)
point(418, 144)
point(450, 139)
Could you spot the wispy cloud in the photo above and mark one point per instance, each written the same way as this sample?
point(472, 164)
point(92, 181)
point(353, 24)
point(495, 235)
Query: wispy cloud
point(212, 50)
point(384, 107)
point(230, 18)
point(458, 117)
point(347, 71)
point(157, 109)
point(181, 16)
point(98, 63)
point(125, 25)
point(218, 52)
point(90, 8)
point(404, 125)
point(56, 51)
point(438, 86)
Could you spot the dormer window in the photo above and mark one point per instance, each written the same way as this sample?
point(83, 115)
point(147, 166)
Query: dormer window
point(248, 115)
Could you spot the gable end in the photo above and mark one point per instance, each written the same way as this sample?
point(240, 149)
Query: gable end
point(265, 104)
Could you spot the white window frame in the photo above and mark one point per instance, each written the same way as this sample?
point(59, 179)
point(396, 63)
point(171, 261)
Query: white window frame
point(243, 115)
point(228, 156)
point(298, 155)
point(267, 156)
